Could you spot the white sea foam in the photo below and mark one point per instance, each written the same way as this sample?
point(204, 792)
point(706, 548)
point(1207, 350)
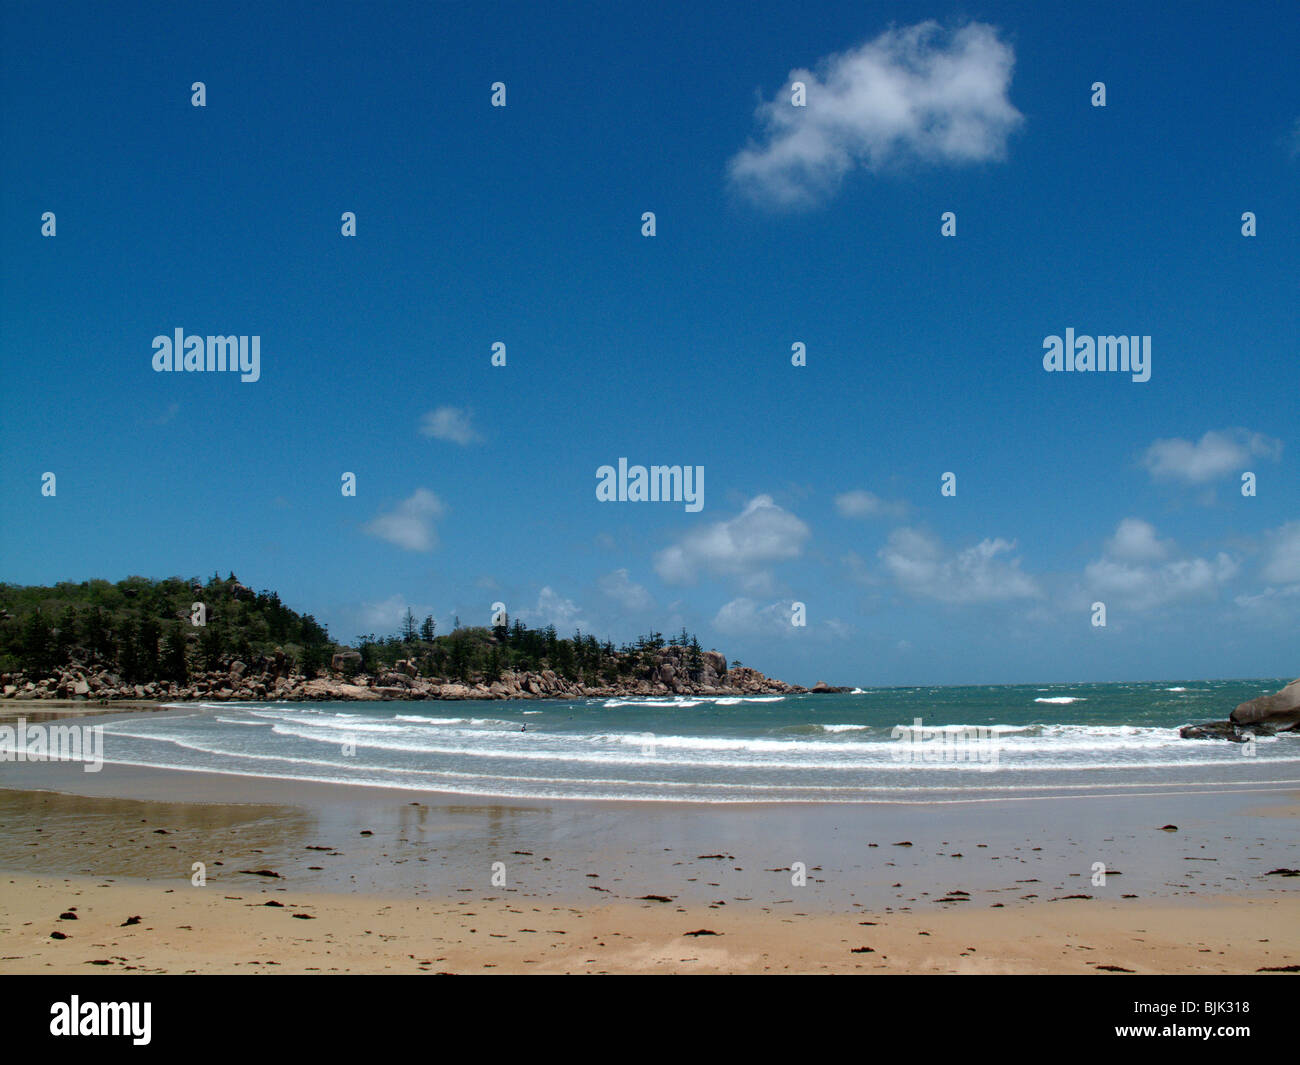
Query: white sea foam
point(692, 700)
point(735, 755)
point(417, 719)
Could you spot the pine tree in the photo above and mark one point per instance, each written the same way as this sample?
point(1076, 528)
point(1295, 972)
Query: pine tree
point(212, 646)
point(128, 651)
point(148, 634)
point(174, 665)
point(38, 644)
point(67, 637)
point(311, 660)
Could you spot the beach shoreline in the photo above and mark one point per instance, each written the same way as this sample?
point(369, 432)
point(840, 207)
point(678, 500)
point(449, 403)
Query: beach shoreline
point(394, 879)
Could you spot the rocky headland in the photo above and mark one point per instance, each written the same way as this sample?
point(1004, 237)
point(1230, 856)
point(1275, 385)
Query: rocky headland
point(273, 678)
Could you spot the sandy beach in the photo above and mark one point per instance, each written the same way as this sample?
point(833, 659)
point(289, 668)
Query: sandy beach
point(257, 929)
point(306, 877)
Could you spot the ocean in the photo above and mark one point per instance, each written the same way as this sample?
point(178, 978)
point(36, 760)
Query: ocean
point(987, 742)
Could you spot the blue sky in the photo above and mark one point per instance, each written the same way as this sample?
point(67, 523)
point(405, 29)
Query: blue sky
point(522, 224)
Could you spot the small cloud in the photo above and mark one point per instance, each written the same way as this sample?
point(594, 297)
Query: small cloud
point(762, 533)
point(1268, 597)
point(1282, 564)
point(746, 617)
point(386, 616)
point(452, 424)
point(554, 609)
point(859, 503)
point(913, 93)
point(1217, 454)
point(1135, 541)
point(922, 566)
point(1135, 570)
point(410, 524)
point(623, 590)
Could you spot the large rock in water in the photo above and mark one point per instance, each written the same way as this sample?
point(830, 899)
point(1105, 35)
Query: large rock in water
point(1264, 716)
point(822, 688)
point(1280, 709)
point(1221, 730)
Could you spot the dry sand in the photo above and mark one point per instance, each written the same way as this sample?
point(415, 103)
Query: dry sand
point(214, 930)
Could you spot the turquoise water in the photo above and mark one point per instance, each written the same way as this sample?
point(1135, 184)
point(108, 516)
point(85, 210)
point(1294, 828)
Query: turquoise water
point(999, 740)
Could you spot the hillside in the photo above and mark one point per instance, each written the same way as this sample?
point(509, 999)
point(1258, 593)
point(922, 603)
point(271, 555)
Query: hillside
point(184, 639)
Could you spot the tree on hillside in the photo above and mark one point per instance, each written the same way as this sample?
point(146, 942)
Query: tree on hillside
point(311, 660)
point(212, 647)
point(174, 667)
point(38, 643)
point(95, 633)
point(128, 651)
point(67, 637)
point(695, 658)
point(148, 634)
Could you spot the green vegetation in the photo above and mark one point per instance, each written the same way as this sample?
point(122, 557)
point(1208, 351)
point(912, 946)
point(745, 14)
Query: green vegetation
point(143, 630)
point(473, 653)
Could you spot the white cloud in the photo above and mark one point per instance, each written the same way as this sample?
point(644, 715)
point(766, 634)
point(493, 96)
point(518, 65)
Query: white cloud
point(762, 533)
point(387, 616)
point(553, 609)
point(410, 524)
point(1268, 599)
point(627, 593)
point(859, 503)
point(450, 423)
point(746, 617)
point(918, 92)
point(1131, 571)
point(1216, 454)
point(921, 566)
point(1135, 541)
point(1283, 562)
